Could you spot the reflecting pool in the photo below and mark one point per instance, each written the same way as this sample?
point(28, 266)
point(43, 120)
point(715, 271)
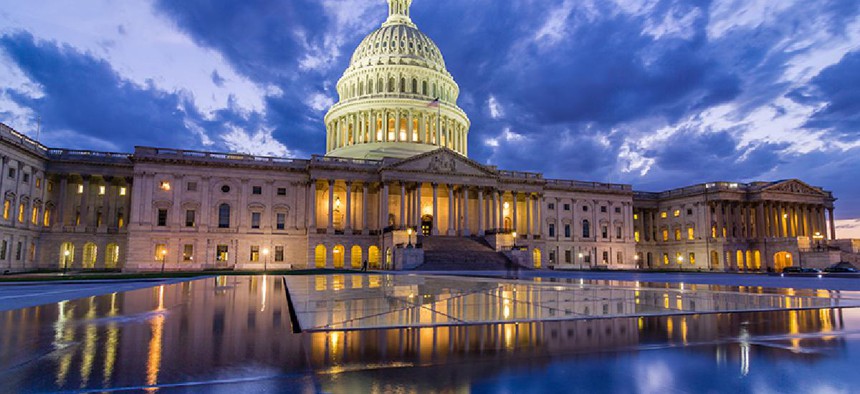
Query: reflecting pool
point(236, 333)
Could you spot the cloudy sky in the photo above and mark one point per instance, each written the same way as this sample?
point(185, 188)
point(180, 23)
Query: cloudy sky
point(656, 93)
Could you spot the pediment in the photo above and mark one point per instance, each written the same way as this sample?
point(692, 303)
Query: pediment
point(794, 186)
point(442, 161)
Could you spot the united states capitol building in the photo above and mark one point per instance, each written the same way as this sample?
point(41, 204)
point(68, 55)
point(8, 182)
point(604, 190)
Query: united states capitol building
point(396, 188)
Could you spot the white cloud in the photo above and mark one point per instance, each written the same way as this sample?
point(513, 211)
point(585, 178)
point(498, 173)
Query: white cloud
point(496, 110)
point(849, 228)
point(319, 102)
point(506, 136)
point(555, 27)
point(348, 18)
point(677, 23)
point(260, 143)
point(726, 15)
point(142, 46)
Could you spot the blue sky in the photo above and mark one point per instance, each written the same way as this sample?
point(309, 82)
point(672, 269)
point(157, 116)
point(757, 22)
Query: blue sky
point(659, 94)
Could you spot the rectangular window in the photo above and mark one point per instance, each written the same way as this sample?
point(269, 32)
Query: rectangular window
point(257, 190)
point(605, 257)
point(665, 235)
point(160, 252)
point(191, 186)
point(692, 259)
point(279, 253)
point(552, 257)
point(567, 231)
point(222, 253)
point(550, 206)
point(604, 231)
point(34, 217)
point(38, 183)
point(81, 189)
point(566, 207)
point(677, 213)
point(689, 212)
point(586, 258)
point(691, 233)
point(21, 213)
point(677, 234)
point(282, 191)
point(98, 219)
point(3, 247)
point(162, 217)
point(618, 232)
point(122, 191)
point(552, 230)
point(120, 220)
point(567, 256)
point(603, 209)
point(282, 221)
point(635, 216)
point(663, 215)
point(679, 258)
point(255, 220)
point(18, 249)
point(636, 236)
point(190, 218)
point(11, 173)
point(102, 190)
point(255, 254)
point(46, 218)
point(619, 258)
point(585, 208)
point(25, 177)
point(617, 209)
point(188, 252)
point(665, 258)
point(165, 185)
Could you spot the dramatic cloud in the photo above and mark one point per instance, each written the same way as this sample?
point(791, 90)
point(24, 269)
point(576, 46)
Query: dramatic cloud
point(657, 93)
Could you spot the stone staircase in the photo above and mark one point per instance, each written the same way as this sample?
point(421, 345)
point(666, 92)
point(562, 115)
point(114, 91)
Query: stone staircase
point(460, 254)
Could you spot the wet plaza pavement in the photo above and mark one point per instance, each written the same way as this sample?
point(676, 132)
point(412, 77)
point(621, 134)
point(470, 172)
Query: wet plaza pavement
point(380, 333)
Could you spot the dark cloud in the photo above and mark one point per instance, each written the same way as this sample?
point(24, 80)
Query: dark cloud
point(86, 96)
point(838, 88)
point(217, 79)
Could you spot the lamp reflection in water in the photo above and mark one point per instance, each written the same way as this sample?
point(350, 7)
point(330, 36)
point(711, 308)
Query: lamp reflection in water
point(153, 362)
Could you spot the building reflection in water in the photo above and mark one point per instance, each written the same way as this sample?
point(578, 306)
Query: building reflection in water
point(239, 326)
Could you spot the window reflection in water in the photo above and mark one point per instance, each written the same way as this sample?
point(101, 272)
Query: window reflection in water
point(136, 337)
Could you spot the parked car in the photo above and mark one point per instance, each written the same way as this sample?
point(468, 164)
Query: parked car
point(842, 267)
point(800, 270)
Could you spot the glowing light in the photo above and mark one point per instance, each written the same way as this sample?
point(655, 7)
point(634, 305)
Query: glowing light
point(165, 185)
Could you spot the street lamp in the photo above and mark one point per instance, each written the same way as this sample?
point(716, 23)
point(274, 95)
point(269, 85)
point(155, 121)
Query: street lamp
point(515, 239)
point(580, 260)
point(66, 254)
point(265, 259)
point(818, 237)
point(409, 237)
point(163, 258)
point(636, 258)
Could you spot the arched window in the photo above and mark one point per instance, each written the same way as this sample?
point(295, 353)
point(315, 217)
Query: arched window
point(424, 88)
point(111, 256)
point(373, 257)
point(320, 256)
point(392, 84)
point(414, 85)
point(536, 258)
point(337, 256)
point(67, 255)
point(224, 216)
point(586, 229)
point(355, 257)
point(90, 255)
point(402, 85)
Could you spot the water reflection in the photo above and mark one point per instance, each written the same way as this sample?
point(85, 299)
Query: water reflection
point(237, 329)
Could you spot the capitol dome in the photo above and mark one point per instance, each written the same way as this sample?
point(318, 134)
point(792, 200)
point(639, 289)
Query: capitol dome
point(396, 98)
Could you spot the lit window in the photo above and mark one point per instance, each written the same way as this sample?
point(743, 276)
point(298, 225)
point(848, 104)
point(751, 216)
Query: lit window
point(665, 234)
point(122, 191)
point(188, 252)
point(81, 189)
point(34, 218)
point(665, 258)
point(6, 207)
point(692, 259)
point(679, 258)
point(255, 254)
point(663, 215)
point(46, 220)
point(279, 253)
point(21, 213)
point(677, 234)
point(691, 233)
point(102, 190)
point(677, 213)
point(222, 253)
point(636, 236)
point(165, 185)
point(635, 216)
point(160, 252)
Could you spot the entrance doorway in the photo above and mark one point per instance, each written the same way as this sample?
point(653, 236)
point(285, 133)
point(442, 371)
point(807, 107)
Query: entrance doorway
point(426, 225)
point(782, 260)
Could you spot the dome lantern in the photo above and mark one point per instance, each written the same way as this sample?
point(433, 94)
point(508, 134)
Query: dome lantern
point(398, 13)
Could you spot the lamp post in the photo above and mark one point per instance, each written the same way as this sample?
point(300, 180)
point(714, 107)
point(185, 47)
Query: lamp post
point(515, 239)
point(163, 258)
point(65, 260)
point(265, 259)
point(409, 237)
point(681, 262)
point(636, 258)
point(580, 255)
point(818, 237)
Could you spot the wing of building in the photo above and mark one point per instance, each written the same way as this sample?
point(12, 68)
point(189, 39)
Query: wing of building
point(395, 190)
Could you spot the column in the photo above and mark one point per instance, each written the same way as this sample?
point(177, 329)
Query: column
point(528, 216)
point(85, 201)
point(60, 218)
point(832, 225)
point(435, 208)
point(502, 209)
point(364, 206)
point(204, 203)
point(481, 208)
point(759, 221)
point(384, 208)
point(347, 228)
point(312, 206)
point(539, 204)
point(418, 212)
point(559, 229)
point(409, 129)
point(514, 198)
point(466, 230)
point(494, 216)
point(451, 212)
point(331, 206)
point(402, 218)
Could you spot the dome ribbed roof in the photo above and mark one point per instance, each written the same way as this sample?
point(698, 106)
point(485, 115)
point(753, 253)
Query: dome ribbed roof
point(397, 41)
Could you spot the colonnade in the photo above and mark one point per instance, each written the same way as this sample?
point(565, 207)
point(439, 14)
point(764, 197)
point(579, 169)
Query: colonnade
point(415, 126)
point(466, 209)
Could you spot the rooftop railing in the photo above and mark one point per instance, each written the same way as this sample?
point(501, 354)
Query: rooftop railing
point(589, 185)
point(14, 136)
point(238, 158)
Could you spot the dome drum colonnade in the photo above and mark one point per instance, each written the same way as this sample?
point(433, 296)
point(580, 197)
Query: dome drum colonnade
point(396, 98)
